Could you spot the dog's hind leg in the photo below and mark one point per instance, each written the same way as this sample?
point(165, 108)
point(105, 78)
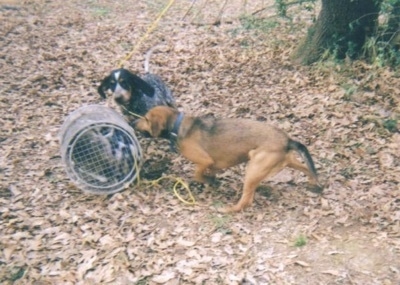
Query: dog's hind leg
point(262, 165)
point(294, 163)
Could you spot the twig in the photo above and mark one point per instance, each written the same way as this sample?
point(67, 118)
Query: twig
point(188, 11)
point(262, 9)
point(221, 12)
point(286, 4)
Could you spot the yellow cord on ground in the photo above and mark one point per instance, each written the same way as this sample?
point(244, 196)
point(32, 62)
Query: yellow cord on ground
point(149, 30)
point(178, 182)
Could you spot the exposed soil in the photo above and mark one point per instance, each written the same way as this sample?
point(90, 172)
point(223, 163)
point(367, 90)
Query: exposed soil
point(54, 54)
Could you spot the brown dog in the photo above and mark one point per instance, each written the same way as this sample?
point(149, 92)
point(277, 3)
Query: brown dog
point(214, 144)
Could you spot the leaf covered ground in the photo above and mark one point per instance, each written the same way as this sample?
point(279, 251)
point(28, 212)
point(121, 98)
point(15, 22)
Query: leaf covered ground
point(220, 60)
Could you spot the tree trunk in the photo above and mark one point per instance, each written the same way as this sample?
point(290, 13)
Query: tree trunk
point(342, 27)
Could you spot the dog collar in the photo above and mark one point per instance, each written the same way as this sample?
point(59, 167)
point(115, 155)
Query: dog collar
point(173, 136)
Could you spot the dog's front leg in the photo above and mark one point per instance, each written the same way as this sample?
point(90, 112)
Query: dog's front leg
point(200, 176)
point(203, 161)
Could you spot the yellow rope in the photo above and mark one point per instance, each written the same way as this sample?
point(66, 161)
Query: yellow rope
point(131, 113)
point(149, 30)
point(178, 182)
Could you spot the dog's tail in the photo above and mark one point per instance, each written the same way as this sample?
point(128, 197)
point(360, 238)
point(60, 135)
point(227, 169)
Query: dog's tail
point(303, 151)
point(147, 59)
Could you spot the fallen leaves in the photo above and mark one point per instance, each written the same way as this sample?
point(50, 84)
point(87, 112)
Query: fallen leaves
point(164, 277)
point(54, 55)
point(302, 263)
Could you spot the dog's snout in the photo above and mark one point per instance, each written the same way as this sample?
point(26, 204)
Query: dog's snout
point(118, 98)
point(146, 134)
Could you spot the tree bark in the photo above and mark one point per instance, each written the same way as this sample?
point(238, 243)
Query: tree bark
point(342, 27)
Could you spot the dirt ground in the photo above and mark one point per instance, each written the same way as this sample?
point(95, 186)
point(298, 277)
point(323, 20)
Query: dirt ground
point(217, 60)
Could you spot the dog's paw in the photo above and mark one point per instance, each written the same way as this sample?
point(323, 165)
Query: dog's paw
point(208, 180)
point(315, 188)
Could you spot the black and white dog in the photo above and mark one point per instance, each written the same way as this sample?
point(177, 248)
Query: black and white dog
point(136, 95)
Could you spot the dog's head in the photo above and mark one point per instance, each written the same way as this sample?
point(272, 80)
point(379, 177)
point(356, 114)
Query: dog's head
point(124, 85)
point(157, 122)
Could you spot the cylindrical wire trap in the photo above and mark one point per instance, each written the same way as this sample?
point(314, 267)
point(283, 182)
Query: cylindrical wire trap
point(100, 150)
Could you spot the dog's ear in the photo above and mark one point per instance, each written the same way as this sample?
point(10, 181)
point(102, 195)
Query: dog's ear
point(156, 122)
point(139, 83)
point(156, 128)
point(152, 126)
point(105, 85)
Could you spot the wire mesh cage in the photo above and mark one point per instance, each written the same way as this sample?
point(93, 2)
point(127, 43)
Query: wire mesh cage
point(100, 150)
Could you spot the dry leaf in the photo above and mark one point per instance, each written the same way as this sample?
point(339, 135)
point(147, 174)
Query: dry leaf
point(185, 243)
point(53, 56)
point(164, 277)
point(333, 272)
point(301, 263)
